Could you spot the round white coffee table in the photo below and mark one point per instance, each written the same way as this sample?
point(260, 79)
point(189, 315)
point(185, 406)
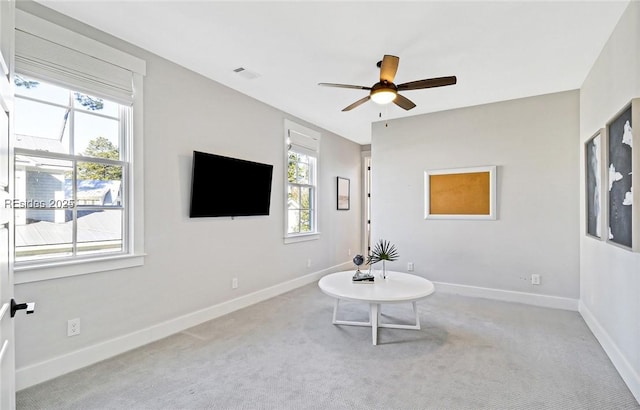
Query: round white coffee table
point(398, 287)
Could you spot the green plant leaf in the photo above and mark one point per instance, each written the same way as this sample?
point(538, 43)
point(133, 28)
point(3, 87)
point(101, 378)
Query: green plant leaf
point(383, 251)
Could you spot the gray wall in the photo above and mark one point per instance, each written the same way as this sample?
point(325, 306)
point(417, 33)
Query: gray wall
point(532, 142)
point(190, 262)
point(610, 276)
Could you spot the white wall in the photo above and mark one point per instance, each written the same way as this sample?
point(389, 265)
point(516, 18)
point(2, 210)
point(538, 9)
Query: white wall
point(190, 262)
point(610, 276)
point(532, 142)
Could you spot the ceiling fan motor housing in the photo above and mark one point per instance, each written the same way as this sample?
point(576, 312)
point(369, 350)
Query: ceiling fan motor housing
point(383, 92)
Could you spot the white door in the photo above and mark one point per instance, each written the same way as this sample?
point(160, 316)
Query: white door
point(7, 347)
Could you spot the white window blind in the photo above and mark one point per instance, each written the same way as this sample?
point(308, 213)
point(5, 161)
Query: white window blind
point(45, 50)
point(45, 59)
point(303, 144)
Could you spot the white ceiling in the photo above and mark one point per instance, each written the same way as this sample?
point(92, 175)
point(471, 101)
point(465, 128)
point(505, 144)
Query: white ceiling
point(498, 50)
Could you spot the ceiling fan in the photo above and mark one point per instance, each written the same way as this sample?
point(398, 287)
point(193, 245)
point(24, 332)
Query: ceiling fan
point(385, 91)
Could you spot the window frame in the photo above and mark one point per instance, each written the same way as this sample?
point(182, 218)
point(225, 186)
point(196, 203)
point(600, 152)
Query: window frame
point(305, 141)
point(74, 159)
point(131, 153)
point(311, 186)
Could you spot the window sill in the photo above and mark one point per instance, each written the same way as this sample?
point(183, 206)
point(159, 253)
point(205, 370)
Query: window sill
point(55, 270)
point(302, 237)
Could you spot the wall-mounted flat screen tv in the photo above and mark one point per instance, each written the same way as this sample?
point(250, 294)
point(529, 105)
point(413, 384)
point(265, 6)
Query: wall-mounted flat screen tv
point(224, 186)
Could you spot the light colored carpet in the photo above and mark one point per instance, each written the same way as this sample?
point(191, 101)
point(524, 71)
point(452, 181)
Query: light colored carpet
point(285, 354)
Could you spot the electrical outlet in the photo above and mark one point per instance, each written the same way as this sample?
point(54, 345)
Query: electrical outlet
point(410, 266)
point(308, 263)
point(349, 251)
point(73, 327)
point(535, 279)
point(234, 283)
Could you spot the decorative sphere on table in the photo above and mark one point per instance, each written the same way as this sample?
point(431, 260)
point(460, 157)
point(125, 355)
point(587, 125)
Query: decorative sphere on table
point(360, 277)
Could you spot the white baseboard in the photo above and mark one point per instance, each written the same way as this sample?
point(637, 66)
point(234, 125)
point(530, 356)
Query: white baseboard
point(535, 299)
point(620, 362)
point(39, 372)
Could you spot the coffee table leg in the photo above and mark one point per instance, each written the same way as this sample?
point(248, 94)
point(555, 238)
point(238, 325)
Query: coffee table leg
point(335, 311)
point(373, 318)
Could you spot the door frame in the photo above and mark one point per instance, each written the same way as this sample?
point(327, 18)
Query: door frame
point(7, 330)
point(366, 202)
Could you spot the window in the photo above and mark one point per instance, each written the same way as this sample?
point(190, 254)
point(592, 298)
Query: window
point(78, 153)
point(302, 149)
point(301, 192)
point(69, 172)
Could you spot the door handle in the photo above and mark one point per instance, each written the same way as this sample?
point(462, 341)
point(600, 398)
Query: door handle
point(30, 307)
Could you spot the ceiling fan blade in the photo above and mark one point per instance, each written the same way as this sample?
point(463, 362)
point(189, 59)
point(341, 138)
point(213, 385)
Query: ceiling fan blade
point(357, 87)
point(429, 83)
point(403, 102)
point(388, 68)
point(357, 103)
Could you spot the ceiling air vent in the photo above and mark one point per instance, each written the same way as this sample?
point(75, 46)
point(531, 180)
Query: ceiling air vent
point(244, 73)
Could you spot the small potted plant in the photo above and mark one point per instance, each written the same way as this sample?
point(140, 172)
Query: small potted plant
point(383, 251)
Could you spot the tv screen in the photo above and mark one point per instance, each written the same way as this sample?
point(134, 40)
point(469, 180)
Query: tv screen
point(223, 186)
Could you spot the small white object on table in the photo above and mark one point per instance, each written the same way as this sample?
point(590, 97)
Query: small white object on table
point(398, 287)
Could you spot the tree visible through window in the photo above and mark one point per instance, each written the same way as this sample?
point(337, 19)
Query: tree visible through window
point(69, 170)
point(100, 148)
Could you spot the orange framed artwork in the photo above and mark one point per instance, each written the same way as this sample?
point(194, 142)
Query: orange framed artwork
point(461, 193)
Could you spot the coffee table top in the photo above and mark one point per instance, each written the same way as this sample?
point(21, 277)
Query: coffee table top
point(398, 287)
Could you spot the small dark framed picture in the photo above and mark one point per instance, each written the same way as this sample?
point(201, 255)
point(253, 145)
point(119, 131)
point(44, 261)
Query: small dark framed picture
point(344, 194)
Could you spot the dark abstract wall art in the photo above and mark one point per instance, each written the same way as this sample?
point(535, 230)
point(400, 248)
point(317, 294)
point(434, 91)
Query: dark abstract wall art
point(620, 208)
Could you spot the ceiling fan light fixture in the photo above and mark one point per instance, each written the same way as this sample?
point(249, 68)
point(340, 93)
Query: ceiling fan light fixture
point(383, 96)
point(385, 91)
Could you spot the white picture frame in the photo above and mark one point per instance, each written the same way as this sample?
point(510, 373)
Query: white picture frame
point(594, 171)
